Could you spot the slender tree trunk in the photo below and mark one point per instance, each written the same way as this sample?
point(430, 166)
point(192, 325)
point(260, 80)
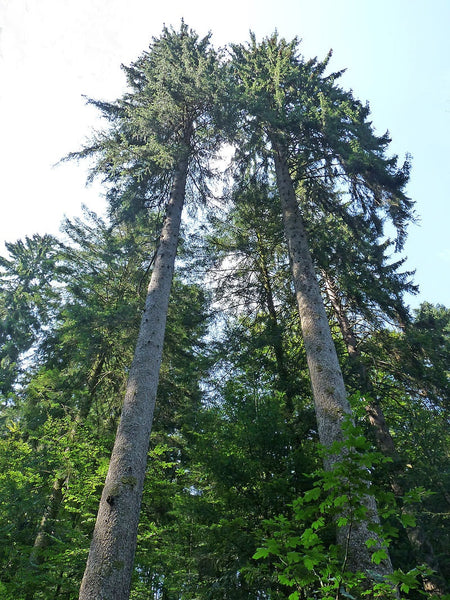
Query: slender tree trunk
point(373, 408)
point(111, 557)
point(330, 398)
point(43, 536)
point(48, 518)
point(344, 324)
point(420, 543)
point(55, 499)
point(276, 337)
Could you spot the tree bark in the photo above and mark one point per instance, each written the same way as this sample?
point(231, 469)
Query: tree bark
point(110, 563)
point(330, 398)
point(327, 383)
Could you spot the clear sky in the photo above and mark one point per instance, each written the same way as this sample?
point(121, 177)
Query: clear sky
point(396, 53)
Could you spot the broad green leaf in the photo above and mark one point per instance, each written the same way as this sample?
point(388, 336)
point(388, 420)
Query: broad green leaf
point(378, 556)
point(261, 553)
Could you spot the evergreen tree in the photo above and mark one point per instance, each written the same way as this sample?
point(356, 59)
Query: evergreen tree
point(58, 434)
point(26, 302)
point(316, 129)
point(160, 132)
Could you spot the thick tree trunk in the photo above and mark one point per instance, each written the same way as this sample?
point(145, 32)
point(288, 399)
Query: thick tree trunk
point(329, 393)
point(421, 545)
point(111, 557)
point(330, 398)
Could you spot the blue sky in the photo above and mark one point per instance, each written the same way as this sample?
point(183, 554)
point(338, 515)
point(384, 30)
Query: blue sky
point(54, 51)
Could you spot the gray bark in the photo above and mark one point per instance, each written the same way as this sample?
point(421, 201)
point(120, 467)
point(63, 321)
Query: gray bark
point(330, 398)
point(111, 557)
point(327, 383)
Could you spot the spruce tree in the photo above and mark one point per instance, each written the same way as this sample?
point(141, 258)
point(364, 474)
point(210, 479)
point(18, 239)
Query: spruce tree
point(159, 135)
point(317, 132)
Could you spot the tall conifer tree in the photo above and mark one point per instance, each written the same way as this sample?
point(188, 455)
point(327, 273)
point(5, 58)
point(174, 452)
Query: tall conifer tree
point(159, 134)
point(316, 131)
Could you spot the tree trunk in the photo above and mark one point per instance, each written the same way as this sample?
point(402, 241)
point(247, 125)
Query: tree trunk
point(344, 324)
point(42, 539)
point(276, 334)
point(373, 408)
point(329, 393)
point(48, 518)
point(110, 563)
point(330, 398)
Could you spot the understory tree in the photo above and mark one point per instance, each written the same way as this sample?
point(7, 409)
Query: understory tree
point(58, 431)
